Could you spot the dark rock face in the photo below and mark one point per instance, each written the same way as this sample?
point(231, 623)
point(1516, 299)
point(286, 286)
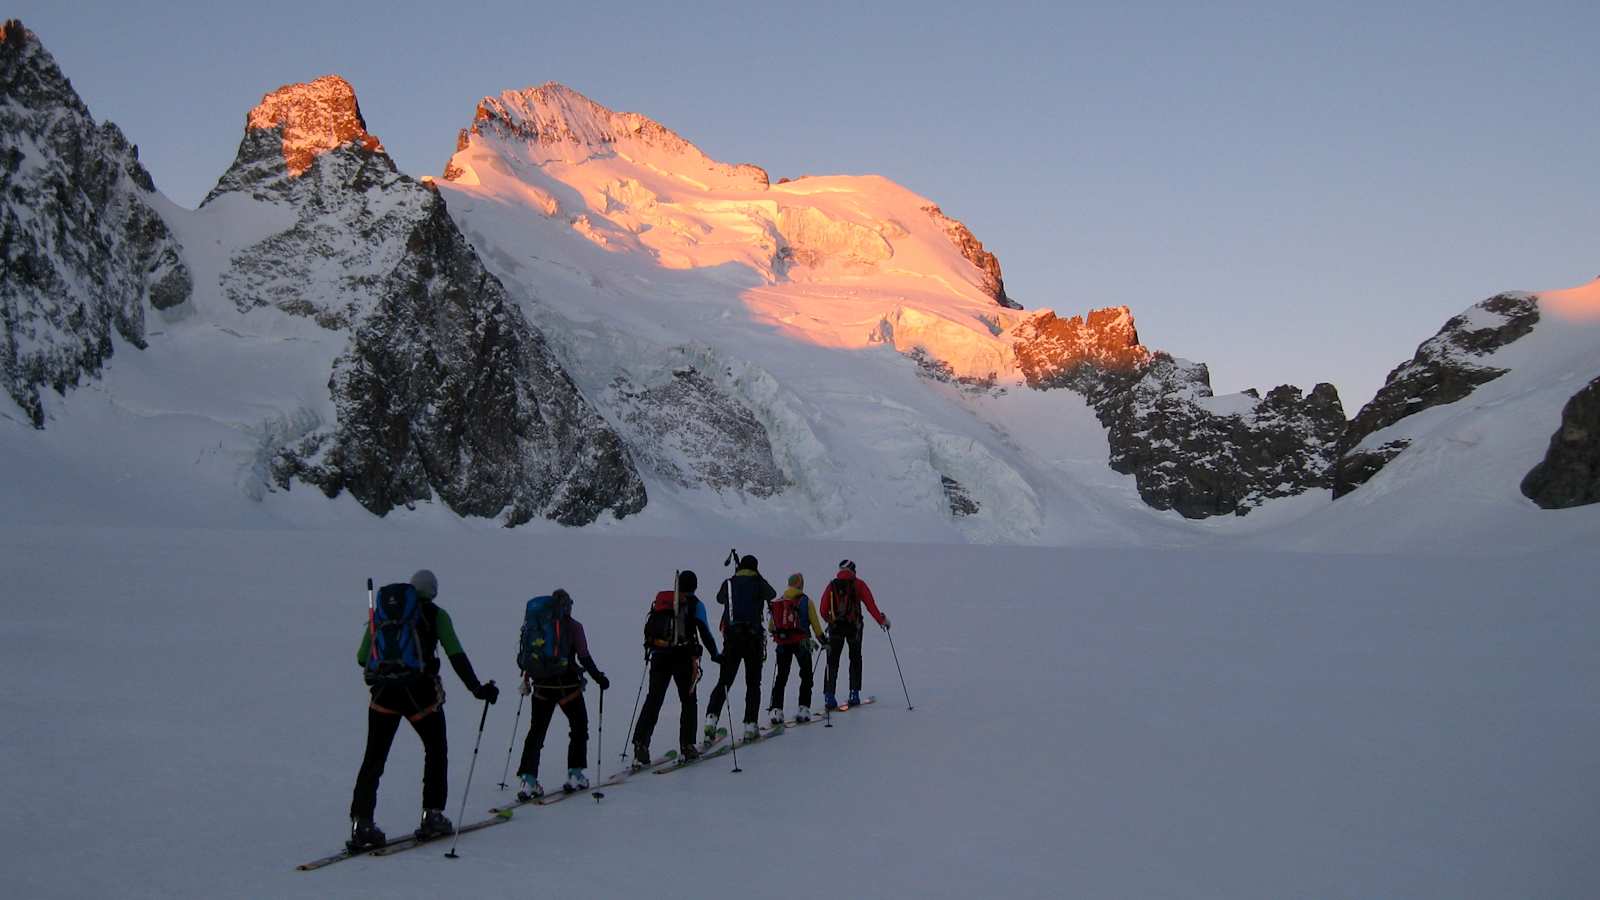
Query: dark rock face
point(691, 433)
point(81, 248)
point(1444, 370)
point(972, 250)
point(960, 502)
point(1569, 474)
point(445, 389)
point(1050, 350)
point(1186, 457)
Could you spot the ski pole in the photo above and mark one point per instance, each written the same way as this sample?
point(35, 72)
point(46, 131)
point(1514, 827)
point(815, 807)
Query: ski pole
point(470, 769)
point(600, 742)
point(514, 721)
point(636, 695)
point(897, 668)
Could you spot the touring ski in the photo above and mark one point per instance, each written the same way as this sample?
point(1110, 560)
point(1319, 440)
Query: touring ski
point(398, 844)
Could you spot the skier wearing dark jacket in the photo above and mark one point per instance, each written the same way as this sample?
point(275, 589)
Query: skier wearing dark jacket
point(564, 690)
point(420, 700)
point(841, 609)
point(744, 600)
point(675, 657)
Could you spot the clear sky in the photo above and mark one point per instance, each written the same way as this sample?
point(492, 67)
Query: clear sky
point(1288, 192)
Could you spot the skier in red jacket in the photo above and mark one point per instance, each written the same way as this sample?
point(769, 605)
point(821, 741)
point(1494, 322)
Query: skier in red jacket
point(841, 609)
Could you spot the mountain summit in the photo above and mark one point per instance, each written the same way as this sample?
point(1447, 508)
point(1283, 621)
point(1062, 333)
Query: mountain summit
point(312, 118)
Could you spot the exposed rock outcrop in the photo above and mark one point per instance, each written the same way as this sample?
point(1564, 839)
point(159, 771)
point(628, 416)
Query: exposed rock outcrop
point(445, 390)
point(81, 248)
point(691, 433)
point(1569, 474)
point(1189, 453)
point(1446, 368)
point(1050, 349)
point(972, 250)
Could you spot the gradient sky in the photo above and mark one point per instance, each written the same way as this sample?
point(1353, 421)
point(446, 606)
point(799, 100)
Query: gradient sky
point(1286, 192)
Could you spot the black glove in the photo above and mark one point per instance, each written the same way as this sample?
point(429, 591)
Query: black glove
point(716, 658)
point(487, 692)
point(601, 679)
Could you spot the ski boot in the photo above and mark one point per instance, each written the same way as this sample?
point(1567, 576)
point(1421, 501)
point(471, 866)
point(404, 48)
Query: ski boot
point(689, 752)
point(364, 836)
point(829, 701)
point(434, 825)
point(530, 789)
point(751, 732)
point(711, 729)
point(855, 698)
point(576, 781)
point(641, 756)
point(804, 715)
point(775, 717)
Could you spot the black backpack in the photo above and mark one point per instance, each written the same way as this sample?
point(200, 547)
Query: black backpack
point(846, 607)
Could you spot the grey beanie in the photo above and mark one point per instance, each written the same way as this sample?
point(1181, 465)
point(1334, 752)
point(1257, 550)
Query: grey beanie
point(426, 584)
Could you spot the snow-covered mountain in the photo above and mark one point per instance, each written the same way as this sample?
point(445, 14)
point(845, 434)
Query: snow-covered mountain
point(586, 319)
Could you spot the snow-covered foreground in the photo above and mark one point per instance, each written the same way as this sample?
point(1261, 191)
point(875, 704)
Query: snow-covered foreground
point(185, 719)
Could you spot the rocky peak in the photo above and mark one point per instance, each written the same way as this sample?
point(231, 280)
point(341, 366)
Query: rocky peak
point(1049, 349)
point(972, 250)
point(83, 249)
point(312, 118)
point(1446, 368)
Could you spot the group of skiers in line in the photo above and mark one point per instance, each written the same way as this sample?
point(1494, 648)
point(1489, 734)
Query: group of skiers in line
point(406, 627)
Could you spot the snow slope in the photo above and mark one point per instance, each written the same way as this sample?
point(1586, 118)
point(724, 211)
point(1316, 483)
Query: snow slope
point(188, 721)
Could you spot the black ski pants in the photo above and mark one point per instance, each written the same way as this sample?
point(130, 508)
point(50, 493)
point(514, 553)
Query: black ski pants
point(381, 728)
point(840, 635)
point(667, 666)
point(787, 655)
point(545, 699)
point(747, 646)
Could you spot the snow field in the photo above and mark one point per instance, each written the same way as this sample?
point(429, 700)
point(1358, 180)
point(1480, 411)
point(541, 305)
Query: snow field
point(186, 719)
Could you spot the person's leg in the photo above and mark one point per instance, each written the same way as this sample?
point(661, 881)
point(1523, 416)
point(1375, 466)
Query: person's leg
point(541, 708)
point(688, 703)
point(855, 656)
point(830, 681)
point(725, 675)
point(660, 674)
point(435, 759)
point(780, 678)
point(752, 679)
point(577, 733)
point(381, 728)
point(803, 658)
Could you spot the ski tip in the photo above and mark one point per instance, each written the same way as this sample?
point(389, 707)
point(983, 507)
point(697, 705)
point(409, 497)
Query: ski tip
point(504, 813)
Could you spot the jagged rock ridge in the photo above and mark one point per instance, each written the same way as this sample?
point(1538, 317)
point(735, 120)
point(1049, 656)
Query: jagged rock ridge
point(81, 249)
point(972, 249)
point(1569, 474)
point(445, 389)
point(1186, 450)
point(1445, 368)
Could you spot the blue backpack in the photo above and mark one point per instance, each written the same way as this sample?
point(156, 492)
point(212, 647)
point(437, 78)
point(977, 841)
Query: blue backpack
point(541, 651)
point(396, 653)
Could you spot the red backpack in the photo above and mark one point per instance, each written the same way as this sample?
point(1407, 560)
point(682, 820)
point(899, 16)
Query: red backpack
point(786, 623)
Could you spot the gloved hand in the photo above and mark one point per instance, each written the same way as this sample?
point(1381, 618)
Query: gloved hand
point(525, 688)
point(601, 679)
point(885, 623)
point(811, 646)
point(487, 692)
